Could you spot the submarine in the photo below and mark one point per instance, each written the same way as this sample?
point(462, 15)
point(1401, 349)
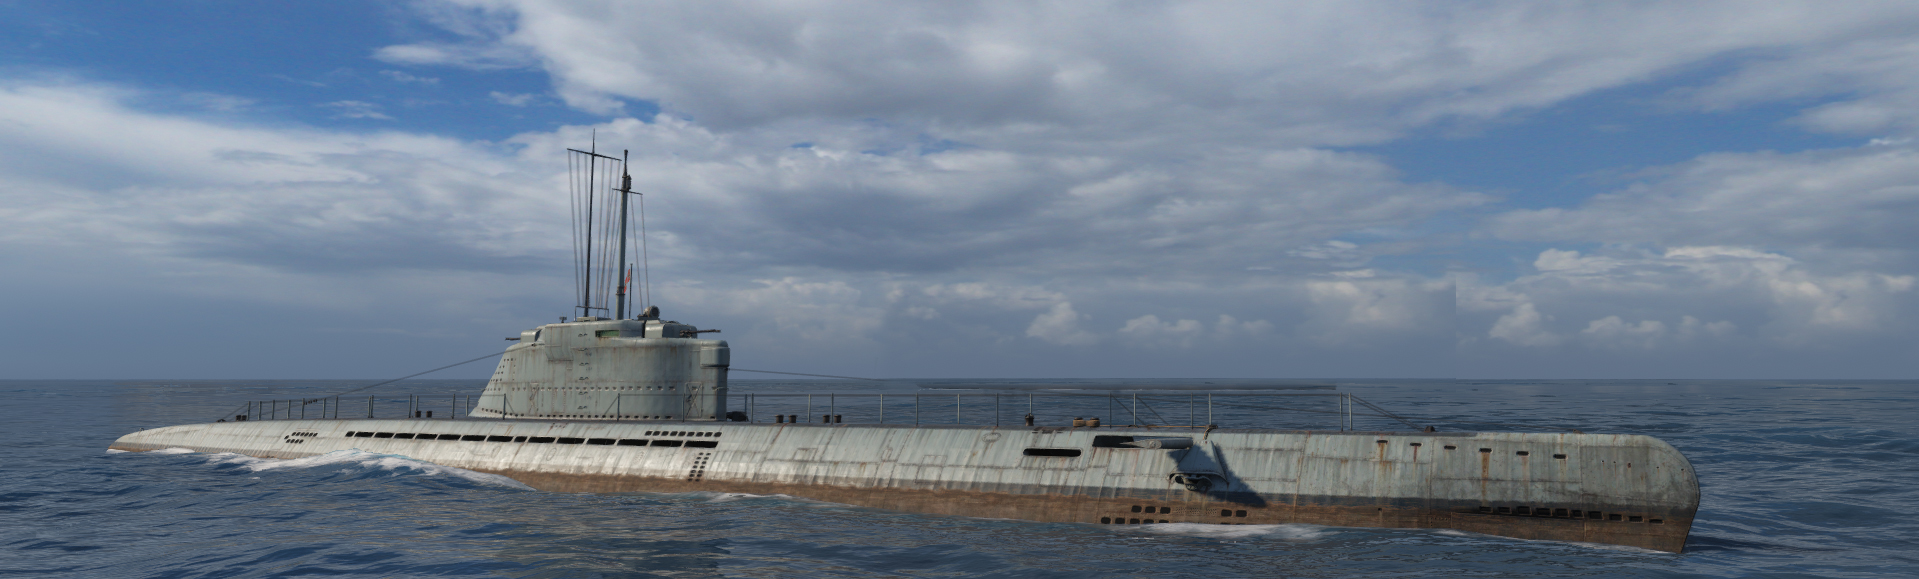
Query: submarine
point(630, 402)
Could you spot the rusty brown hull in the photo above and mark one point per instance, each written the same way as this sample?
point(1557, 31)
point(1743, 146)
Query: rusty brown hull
point(1669, 534)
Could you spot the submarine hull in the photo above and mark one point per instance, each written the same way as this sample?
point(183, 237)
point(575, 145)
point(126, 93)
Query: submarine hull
point(1616, 489)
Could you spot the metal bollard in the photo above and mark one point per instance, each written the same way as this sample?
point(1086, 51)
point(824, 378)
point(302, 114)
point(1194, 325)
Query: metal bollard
point(1092, 422)
point(1029, 420)
point(836, 419)
point(1078, 422)
point(779, 419)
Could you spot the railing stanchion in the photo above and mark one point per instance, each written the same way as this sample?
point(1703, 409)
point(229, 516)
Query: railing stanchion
point(916, 409)
point(1209, 409)
point(882, 408)
point(956, 409)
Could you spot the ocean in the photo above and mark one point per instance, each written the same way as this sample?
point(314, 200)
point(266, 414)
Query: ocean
point(1798, 479)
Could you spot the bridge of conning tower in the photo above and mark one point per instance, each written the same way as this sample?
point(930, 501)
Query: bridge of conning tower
point(603, 369)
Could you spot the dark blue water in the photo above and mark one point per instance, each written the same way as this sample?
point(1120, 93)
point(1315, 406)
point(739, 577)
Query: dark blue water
point(1812, 479)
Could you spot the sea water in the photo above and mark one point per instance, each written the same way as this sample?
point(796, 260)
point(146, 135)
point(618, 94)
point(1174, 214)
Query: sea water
point(1797, 479)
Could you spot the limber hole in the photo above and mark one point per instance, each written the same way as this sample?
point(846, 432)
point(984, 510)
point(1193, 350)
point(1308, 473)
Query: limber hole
point(1613, 517)
point(600, 441)
point(540, 440)
point(1106, 520)
point(473, 437)
point(632, 442)
point(449, 437)
point(564, 440)
point(1136, 508)
point(703, 443)
point(1559, 512)
point(1635, 519)
point(407, 435)
point(1657, 521)
point(1485, 450)
point(499, 439)
point(668, 442)
point(1559, 456)
point(1067, 452)
point(1225, 512)
point(1522, 453)
point(1165, 511)
point(1451, 447)
point(1413, 444)
point(1594, 515)
point(383, 435)
point(1485, 509)
point(1239, 513)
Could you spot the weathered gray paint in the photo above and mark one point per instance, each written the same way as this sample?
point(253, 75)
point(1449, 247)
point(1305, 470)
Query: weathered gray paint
point(608, 377)
point(1285, 476)
point(609, 370)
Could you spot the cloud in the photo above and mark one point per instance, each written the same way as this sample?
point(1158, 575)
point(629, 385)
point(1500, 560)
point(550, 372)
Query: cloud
point(1861, 198)
point(512, 100)
point(356, 110)
point(1060, 325)
point(408, 78)
point(1778, 298)
point(1132, 74)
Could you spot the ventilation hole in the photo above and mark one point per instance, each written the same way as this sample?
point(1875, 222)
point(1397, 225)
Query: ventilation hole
point(632, 442)
point(383, 435)
point(1135, 508)
point(1162, 520)
point(1485, 509)
point(600, 441)
point(1413, 444)
point(1577, 514)
point(1132, 521)
point(1657, 521)
point(1522, 453)
point(1613, 517)
point(1451, 447)
point(519, 439)
point(1105, 520)
point(1485, 450)
point(499, 439)
point(449, 437)
point(1635, 519)
point(403, 435)
point(1559, 512)
point(703, 443)
point(1522, 510)
point(541, 440)
point(1225, 512)
point(1381, 441)
point(1165, 511)
point(1505, 510)
point(1559, 456)
point(1239, 513)
point(1594, 515)
point(668, 442)
point(473, 437)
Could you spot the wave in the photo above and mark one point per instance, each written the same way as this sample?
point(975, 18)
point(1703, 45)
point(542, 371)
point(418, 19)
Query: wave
point(1287, 532)
point(363, 461)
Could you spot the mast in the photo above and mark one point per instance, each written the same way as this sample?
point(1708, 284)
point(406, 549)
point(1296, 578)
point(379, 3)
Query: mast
point(587, 211)
point(626, 188)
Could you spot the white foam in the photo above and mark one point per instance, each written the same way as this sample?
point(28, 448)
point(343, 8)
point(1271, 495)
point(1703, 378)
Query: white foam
point(114, 451)
point(1289, 532)
point(373, 461)
point(175, 450)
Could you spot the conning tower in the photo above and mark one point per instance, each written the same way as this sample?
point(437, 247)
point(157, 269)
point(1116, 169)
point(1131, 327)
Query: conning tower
point(601, 369)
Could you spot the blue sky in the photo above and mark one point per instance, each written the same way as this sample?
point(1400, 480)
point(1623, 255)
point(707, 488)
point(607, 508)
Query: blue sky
point(974, 189)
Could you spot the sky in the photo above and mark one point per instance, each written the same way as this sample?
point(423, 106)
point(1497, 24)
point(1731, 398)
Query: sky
point(1364, 189)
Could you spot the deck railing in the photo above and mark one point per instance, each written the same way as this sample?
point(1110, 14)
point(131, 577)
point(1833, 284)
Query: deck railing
point(1138, 409)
